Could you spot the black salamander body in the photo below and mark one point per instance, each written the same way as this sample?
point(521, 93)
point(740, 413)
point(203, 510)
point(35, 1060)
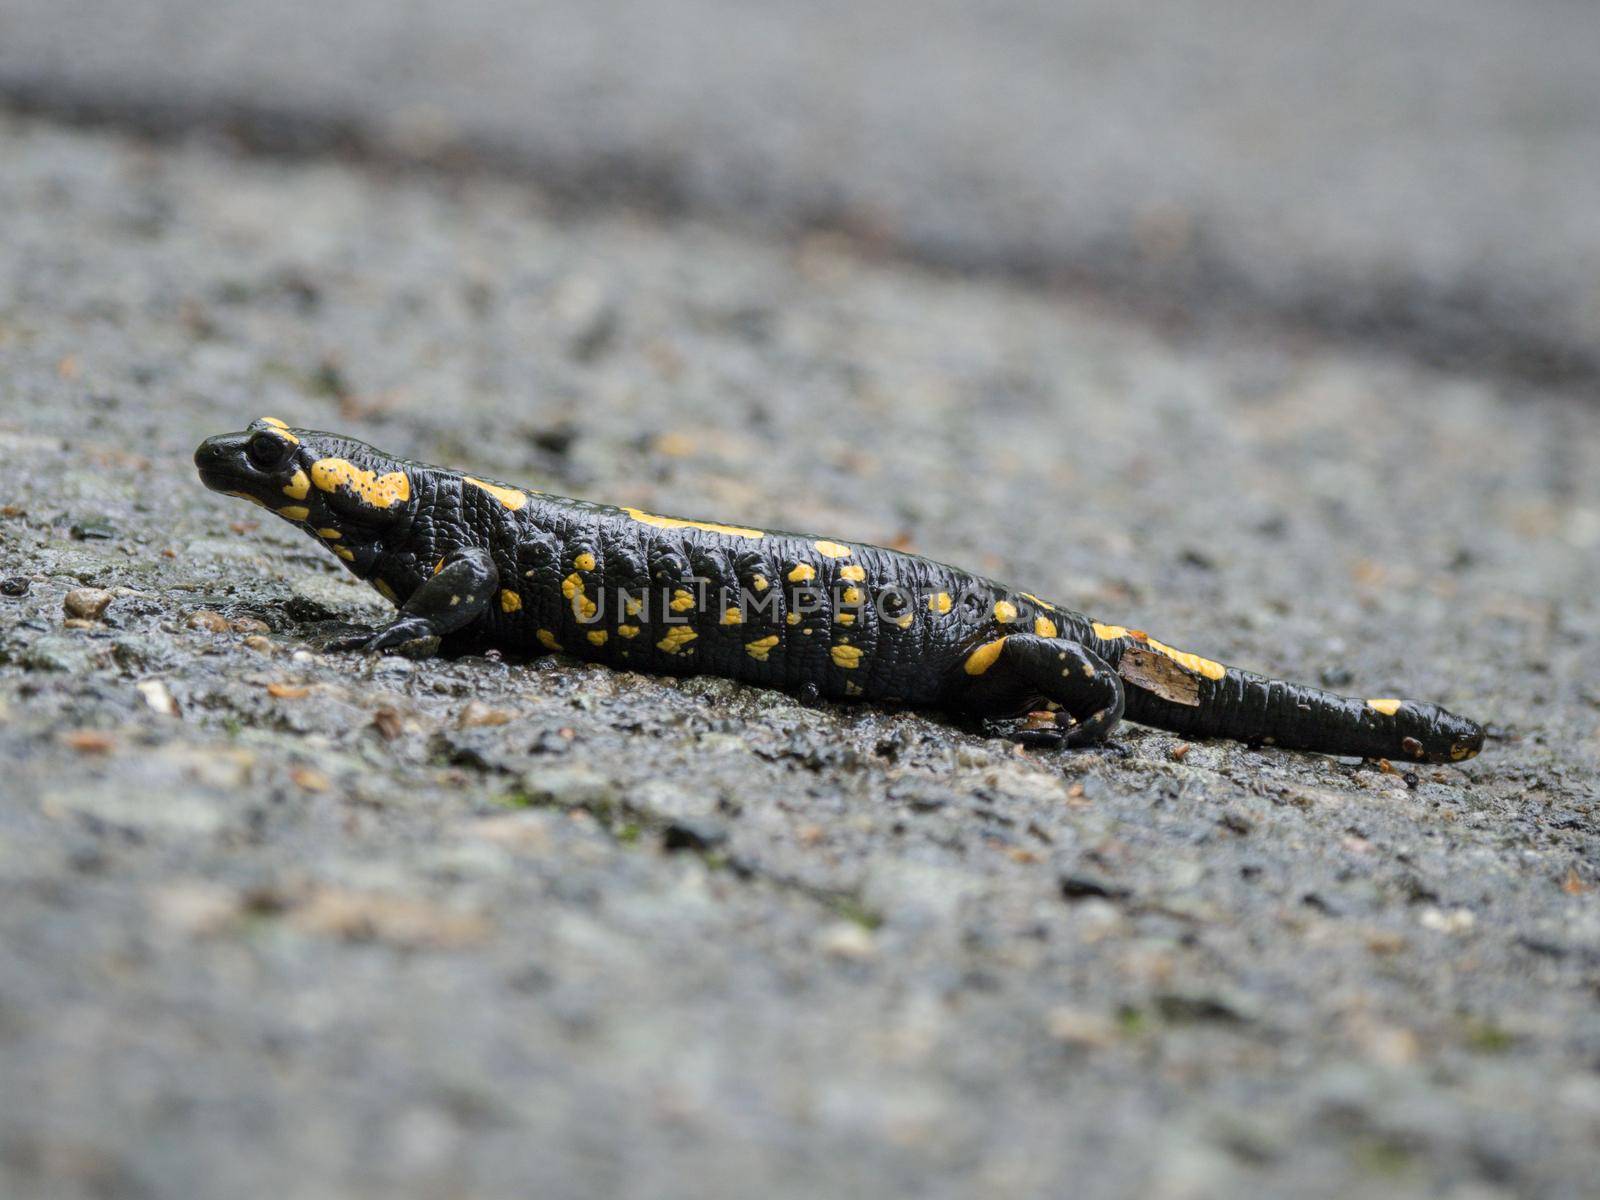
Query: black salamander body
point(482, 563)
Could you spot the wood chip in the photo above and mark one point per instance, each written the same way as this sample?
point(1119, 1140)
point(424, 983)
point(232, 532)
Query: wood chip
point(309, 779)
point(89, 741)
point(288, 691)
point(1157, 673)
point(388, 724)
point(396, 920)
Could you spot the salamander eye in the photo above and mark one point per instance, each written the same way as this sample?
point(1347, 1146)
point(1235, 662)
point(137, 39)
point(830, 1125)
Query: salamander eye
point(266, 451)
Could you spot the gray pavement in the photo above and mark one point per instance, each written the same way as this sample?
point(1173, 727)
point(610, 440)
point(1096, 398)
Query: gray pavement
point(1406, 172)
point(285, 924)
point(276, 923)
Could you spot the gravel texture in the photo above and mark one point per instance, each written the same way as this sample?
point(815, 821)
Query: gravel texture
point(285, 924)
point(1418, 172)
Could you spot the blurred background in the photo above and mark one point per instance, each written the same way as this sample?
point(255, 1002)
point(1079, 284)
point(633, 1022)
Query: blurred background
point(1411, 173)
point(1274, 329)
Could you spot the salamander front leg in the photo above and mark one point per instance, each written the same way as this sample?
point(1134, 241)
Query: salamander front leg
point(1023, 674)
point(457, 595)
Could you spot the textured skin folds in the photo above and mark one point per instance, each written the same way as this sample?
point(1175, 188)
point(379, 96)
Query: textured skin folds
point(482, 563)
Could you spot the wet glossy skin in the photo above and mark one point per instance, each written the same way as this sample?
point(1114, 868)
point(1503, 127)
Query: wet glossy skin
point(477, 562)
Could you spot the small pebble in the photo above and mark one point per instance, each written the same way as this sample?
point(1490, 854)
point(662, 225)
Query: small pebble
point(93, 530)
point(261, 645)
point(477, 714)
point(249, 625)
point(86, 603)
point(1079, 1027)
point(157, 698)
point(846, 939)
point(16, 585)
point(207, 620)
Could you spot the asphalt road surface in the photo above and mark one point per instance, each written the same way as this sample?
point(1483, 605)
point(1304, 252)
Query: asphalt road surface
point(279, 923)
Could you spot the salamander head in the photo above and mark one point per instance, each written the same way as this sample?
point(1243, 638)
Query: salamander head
point(337, 488)
point(1426, 732)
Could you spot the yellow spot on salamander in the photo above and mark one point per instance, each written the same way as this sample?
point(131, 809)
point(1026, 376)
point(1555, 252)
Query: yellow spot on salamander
point(548, 640)
point(759, 583)
point(1191, 662)
point(627, 631)
point(510, 602)
point(677, 637)
point(759, 650)
point(793, 618)
point(846, 657)
point(676, 523)
point(1044, 604)
point(845, 618)
point(832, 549)
point(374, 490)
point(331, 535)
point(572, 589)
point(802, 572)
point(345, 553)
point(256, 500)
point(732, 616)
point(584, 561)
point(851, 688)
point(939, 602)
point(682, 601)
point(981, 659)
point(1045, 627)
point(294, 512)
point(298, 487)
point(634, 606)
point(510, 497)
point(385, 591)
point(597, 636)
point(855, 573)
point(904, 622)
point(1388, 707)
point(852, 595)
point(281, 429)
point(1005, 612)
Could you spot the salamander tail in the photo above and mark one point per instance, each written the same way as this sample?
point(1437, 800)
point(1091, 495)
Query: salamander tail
point(1180, 692)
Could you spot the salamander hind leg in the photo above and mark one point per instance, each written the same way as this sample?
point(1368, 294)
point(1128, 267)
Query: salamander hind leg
point(1042, 691)
point(457, 594)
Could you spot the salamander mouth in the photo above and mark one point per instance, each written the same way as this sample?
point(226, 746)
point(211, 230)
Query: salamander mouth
point(217, 481)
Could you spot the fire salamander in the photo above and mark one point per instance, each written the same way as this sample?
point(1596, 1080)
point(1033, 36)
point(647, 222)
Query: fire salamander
point(483, 563)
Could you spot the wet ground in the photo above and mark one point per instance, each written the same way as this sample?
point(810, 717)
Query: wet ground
point(279, 923)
